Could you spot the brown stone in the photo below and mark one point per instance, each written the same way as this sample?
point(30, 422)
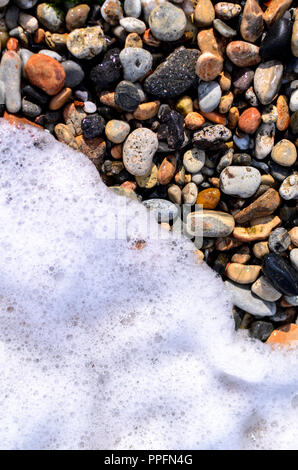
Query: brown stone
point(45, 73)
point(166, 170)
point(249, 120)
point(251, 26)
point(294, 235)
point(108, 98)
point(259, 231)
point(284, 336)
point(116, 151)
point(275, 10)
point(263, 206)
point(12, 44)
point(226, 103)
point(283, 119)
point(243, 54)
point(209, 66)
point(208, 42)
point(227, 243)
point(133, 40)
point(204, 13)
point(194, 121)
point(76, 17)
point(260, 249)
point(60, 99)
point(243, 274)
point(73, 117)
point(64, 134)
point(225, 80)
point(146, 110)
point(94, 149)
point(208, 198)
point(19, 121)
point(233, 118)
point(39, 36)
point(215, 117)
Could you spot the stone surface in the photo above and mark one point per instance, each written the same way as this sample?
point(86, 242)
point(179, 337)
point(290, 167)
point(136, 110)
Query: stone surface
point(267, 80)
point(241, 273)
point(167, 169)
point(49, 16)
point(208, 198)
point(74, 73)
point(277, 41)
point(249, 120)
point(284, 336)
point(204, 13)
point(139, 150)
point(136, 63)
point(243, 54)
point(223, 29)
point(173, 76)
point(279, 240)
point(93, 126)
point(117, 131)
point(264, 205)
point(284, 153)
point(189, 193)
point(86, 43)
point(111, 11)
point(275, 10)
point(283, 119)
point(263, 289)
point(244, 299)
point(76, 17)
point(10, 77)
point(127, 96)
point(146, 110)
point(251, 26)
point(227, 10)
point(289, 187)
point(260, 330)
point(259, 231)
point(163, 210)
point(209, 66)
point(294, 258)
point(45, 73)
point(209, 95)
point(240, 181)
point(209, 223)
point(148, 181)
point(210, 136)
point(264, 140)
point(194, 160)
point(281, 274)
point(167, 22)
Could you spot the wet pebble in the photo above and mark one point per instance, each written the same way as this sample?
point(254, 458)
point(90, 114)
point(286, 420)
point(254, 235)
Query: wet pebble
point(139, 150)
point(209, 94)
point(281, 274)
point(167, 22)
point(127, 96)
point(136, 63)
point(163, 210)
point(240, 181)
point(243, 298)
point(267, 80)
point(284, 153)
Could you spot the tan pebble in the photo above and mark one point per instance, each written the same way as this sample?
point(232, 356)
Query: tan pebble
point(268, 180)
point(242, 257)
point(225, 80)
point(175, 194)
point(117, 131)
point(199, 255)
point(146, 110)
point(260, 249)
point(180, 177)
point(208, 42)
point(264, 289)
point(209, 66)
point(116, 151)
point(284, 336)
point(190, 193)
point(233, 118)
point(275, 10)
point(166, 226)
point(226, 103)
point(39, 36)
point(283, 119)
point(188, 178)
point(243, 54)
point(95, 149)
point(108, 98)
point(76, 17)
point(251, 26)
point(266, 204)
point(148, 181)
point(129, 185)
point(284, 153)
point(166, 170)
point(194, 121)
point(204, 13)
point(64, 134)
point(294, 235)
point(294, 40)
point(59, 100)
point(243, 274)
point(256, 232)
point(59, 40)
point(73, 117)
point(133, 40)
point(227, 243)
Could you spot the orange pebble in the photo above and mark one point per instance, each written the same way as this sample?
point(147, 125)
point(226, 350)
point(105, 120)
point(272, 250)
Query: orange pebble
point(39, 36)
point(209, 198)
point(129, 185)
point(116, 151)
point(286, 335)
point(215, 117)
point(12, 44)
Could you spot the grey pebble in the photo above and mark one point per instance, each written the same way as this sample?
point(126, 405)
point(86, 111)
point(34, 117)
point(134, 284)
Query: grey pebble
point(30, 109)
point(136, 63)
point(52, 54)
point(167, 22)
point(243, 298)
point(11, 17)
point(74, 73)
point(25, 4)
point(163, 210)
point(133, 25)
point(10, 75)
point(50, 17)
point(132, 8)
point(223, 29)
point(209, 95)
point(279, 240)
point(139, 150)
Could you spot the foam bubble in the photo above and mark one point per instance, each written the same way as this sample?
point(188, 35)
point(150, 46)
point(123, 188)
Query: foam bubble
point(103, 346)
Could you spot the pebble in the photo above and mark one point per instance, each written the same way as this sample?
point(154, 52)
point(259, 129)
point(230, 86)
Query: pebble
point(289, 187)
point(264, 205)
point(249, 120)
point(166, 170)
point(50, 16)
point(74, 73)
point(294, 122)
point(281, 274)
point(190, 193)
point(263, 289)
point(210, 136)
point(208, 198)
point(139, 150)
point(25, 4)
point(204, 13)
point(243, 298)
point(132, 8)
point(251, 26)
point(146, 110)
point(267, 80)
point(30, 109)
point(210, 223)
point(260, 249)
point(269, 114)
point(45, 73)
point(226, 10)
point(241, 181)
point(136, 63)
point(243, 54)
point(167, 22)
point(275, 10)
point(28, 22)
point(260, 330)
point(148, 181)
point(294, 101)
point(86, 43)
point(242, 78)
point(60, 99)
point(294, 39)
point(209, 66)
point(194, 121)
point(264, 140)
point(286, 335)
point(173, 76)
point(10, 75)
point(93, 126)
point(294, 236)
point(259, 231)
point(163, 210)
point(194, 160)
point(209, 95)
point(108, 71)
point(294, 258)
point(284, 153)
point(127, 96)
point(76, 17)
point(223, 29)
point(175, 193)
point(117, 131)
point(241, 273)
point(276, 43)
point(111, 11)
point(279, 240)
point(52, 54)
point(133, 25)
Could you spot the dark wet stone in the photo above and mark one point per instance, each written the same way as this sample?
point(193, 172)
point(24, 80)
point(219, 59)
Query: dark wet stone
point(211, 136)
point(174, 127)
point(260, 330)
point(36, 95)
point(281, 274)
point(108, 71)
point(127, 96)
point(279, 240)
point(93, 126)
point(175, 75)
point(242, 159)
point(277, 42)
point(278, 172)
point(242, 78)
point(30, 109)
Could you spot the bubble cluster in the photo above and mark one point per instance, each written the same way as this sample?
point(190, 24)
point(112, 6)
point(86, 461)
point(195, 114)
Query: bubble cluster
point(106, 346)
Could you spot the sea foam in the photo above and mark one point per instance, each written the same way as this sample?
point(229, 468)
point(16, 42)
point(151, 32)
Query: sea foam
point(105, 346)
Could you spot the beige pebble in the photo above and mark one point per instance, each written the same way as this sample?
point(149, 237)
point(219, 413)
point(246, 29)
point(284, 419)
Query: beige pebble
point(64, 134)
point(294, 235)
point(146, 110)
point(260, 249)
point(133, 40)
point(148, 181)
point(240, 258)
point(117, 131)
point(243, 274)
point(268, 180)
point(175, 194)
point(59, 100)
point(264, 289)
point(190, 193)
point(284, 153)
point(256, 232)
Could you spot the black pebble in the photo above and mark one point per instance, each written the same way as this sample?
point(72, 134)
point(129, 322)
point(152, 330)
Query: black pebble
point(37, 96)
point(281, 274)
point(175, 128)
point(93, 126)
point(127, 96)
point(109, 71)
point(277, 42)
point(260, 330)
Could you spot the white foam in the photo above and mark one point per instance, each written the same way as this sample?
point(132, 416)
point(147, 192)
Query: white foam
point(106, 346)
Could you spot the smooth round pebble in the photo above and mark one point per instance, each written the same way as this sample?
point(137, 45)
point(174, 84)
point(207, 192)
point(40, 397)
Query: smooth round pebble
point(117, 131)
point(241, 181)
point(284, 153)
point(194, 160)
point(167, 22)
point(209, 95)
point(136, 63)
point(139, 150)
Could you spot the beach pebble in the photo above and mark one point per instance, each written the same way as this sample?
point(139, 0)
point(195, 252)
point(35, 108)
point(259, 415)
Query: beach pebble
point(251, 26)
point(60, 99)
point(284, 336)
point(146, 110)
point(243, 54)
point(136, 63)
point(283, 119)
point(45, 73)
point(204, 13)
point(74, 73)
point(241, 181)
point(249, 120)
point(93, 126)
point(294, 258)
point(127, 96)
point(52, 54)
point(139, 150)
point(294, 39)
point(28, 22)
point(227, 10)
point(269, 114)
point(294, 235)
point(133, 25)
point(190, 193)
point(111, 11)
point(76, 17)
point(166, 170)
point(260, 330)
point(264, 205)
point(267, 80)
point(242, 273)
point(194, 160)
point(173, 76)
point(10, 76)
point(175, 193)
point(242, 78)
point(211, 136)
point(260, 249)
point(108, 71)
point(279, 240)
point(277, 41)
point(275, 10)
point(194, 121)
point(210, 223)
point(86, 43)
point(243, 298)
point(208, 198)
point(50, 16)
point(263, 289)
point(264, 140)
point(117, 131)
point(163, 210)
point(25, 4)
point(132, 8)
point(289, 187)
point(223, 29)
point(209, 66)
point(209, 95)
point(167, 22)
point(281, 274)
point(284, 153)
point(294, 101)
point(148, 181)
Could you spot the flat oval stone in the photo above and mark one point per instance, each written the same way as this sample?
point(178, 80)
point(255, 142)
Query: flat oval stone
point(209, 95)
point(204, 13)
point(86, 43)
point(133, 25)
point(263, 289)
point(10, 76)
point(277, 41)
point(251, 26)
point(281, 274)
point(173, 76)
point(74, 73)
point(133, 8)
point(264, 140)
point(167, 22)
point(194, 160)
point(264, 205)
point(249, 120)
point(136, 63)
point(127, 96)
point(242, 78)
point(210, 136)
point(209, 223)
point(190, 193)
point(243, 298)
point(283, 119)
point(243, 54)
point(242, 273)
point(117, 131)
point(289, 187)
point(45, 73)
point(139, 150)
point(223, 29)
point(267, 80)
point(284, 153)
point(167, 169)
point(163, 210)
point(241, 181)
point(50, 16)
point(209, 66)
point(226, 10)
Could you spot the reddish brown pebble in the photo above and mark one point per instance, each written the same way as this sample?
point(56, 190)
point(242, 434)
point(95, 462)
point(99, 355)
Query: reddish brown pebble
point(243, 54)
point(283, 120)
point(263, 206)
point(252, 21)
point(166, 170)
point(215, 117)
point(19, 121)
point(12, 44)
point(209, 66)
point(208, 198)
point(275, 10)
point(60, 99)
point(116, 151)
point(249, 120)
point(208, 42)
point(129, 185)
point(194, 121)
point(45, 73)
point(39, 36)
